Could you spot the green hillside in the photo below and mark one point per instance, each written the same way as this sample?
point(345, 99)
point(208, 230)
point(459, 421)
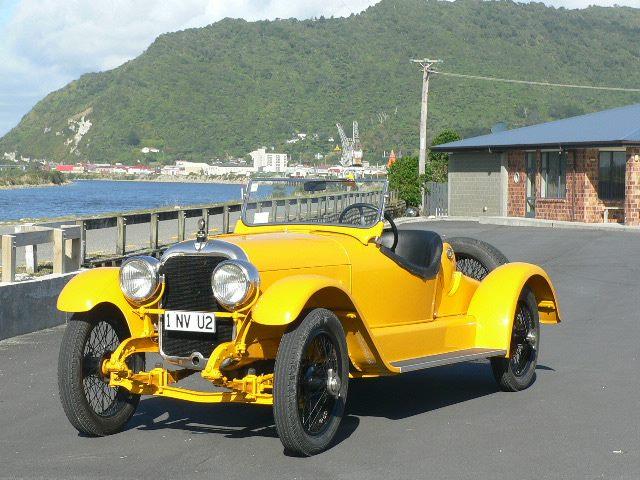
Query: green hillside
point(233, 86)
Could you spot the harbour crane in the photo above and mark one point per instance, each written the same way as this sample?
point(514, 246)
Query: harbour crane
point(351, 147)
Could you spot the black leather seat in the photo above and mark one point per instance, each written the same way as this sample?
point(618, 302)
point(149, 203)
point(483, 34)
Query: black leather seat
point(418, 251)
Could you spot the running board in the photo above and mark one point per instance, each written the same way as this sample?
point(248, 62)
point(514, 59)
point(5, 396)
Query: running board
point(446, 359)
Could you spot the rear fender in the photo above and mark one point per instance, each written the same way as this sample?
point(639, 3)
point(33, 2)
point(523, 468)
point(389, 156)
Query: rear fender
point(493, 305)
point(97, 286)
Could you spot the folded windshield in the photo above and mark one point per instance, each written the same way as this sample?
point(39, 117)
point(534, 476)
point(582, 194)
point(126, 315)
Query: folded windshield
point(355, 203)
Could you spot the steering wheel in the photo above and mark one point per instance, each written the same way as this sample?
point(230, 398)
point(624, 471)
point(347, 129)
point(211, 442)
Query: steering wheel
point(362, 207)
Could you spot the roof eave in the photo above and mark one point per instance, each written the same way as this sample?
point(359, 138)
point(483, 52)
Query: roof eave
point(559, 145)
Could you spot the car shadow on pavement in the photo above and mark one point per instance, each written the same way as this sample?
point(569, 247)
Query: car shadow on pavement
point(230, 420)
point(394, 397)
point(419, 392)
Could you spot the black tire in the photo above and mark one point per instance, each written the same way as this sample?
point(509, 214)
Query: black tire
point(519, 370)
point(299, 380)
point(475, 258)
point(92, 407)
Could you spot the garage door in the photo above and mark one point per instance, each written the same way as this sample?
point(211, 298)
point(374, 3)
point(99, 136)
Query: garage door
point(475, 184)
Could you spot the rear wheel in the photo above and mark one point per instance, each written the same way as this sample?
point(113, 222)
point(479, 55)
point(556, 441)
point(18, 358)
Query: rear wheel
point(475, 258)
point(310, 384)
point(519, 370)
point(91, 405)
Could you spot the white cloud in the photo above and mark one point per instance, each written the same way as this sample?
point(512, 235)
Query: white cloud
point(47, 43)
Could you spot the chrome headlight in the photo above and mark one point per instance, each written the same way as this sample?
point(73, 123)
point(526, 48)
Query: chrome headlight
point(140, 278)
point(234, 283)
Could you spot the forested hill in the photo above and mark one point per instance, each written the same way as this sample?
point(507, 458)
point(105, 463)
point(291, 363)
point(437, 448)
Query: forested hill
point(233, 86)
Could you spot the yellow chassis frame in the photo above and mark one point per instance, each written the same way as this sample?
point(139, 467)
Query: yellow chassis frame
point(254, 389)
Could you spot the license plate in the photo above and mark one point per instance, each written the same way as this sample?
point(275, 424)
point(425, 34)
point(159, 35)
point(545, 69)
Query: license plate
point(177, 320)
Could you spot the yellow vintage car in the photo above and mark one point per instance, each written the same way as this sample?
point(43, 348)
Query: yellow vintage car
point(311, 289)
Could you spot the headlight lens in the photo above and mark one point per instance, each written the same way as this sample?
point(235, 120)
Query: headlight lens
point(234, 283)
point(140, 278)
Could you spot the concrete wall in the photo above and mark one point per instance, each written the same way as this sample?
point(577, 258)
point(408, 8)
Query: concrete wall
point(29, 306)
point(475, 182)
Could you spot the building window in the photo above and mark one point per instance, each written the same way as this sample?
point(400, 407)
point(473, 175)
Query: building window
point(611, 177)
point(554, 175)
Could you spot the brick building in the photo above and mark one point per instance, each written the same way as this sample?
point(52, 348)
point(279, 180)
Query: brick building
point(584, 169)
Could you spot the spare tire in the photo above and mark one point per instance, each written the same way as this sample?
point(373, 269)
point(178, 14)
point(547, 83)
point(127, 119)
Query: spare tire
point(475, 258)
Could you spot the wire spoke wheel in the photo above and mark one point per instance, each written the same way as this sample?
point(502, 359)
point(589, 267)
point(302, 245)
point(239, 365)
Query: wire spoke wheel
point(311, 379)
point(524, 341)
point(518, 370)
point(102, 342)
point(318, 368)
point(91, 405)
point(471, 267)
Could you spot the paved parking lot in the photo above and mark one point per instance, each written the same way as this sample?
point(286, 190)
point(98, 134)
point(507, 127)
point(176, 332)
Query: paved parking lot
point(579, 420)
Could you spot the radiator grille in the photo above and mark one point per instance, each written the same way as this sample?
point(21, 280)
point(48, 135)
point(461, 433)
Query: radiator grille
point(188, 283)
point(188, 288)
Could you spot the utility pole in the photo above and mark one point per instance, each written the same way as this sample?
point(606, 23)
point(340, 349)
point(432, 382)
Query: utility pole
point(426, 64)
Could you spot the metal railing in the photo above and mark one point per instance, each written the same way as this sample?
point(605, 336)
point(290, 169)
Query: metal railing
point(70, 241)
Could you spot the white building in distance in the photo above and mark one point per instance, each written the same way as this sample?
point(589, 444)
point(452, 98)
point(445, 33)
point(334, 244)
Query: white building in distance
point(264, 161)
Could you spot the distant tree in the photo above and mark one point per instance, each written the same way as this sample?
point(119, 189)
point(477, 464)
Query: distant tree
point(133, 139)
point(403, 178)
point(438, 163)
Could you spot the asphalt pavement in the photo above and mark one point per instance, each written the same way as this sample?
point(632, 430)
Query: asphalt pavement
point(579, 420)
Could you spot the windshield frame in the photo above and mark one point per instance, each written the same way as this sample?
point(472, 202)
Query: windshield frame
point(247, 193)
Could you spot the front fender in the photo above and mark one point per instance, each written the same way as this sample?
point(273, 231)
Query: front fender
point(91, 288)
point(283, 301)
point(493, 305)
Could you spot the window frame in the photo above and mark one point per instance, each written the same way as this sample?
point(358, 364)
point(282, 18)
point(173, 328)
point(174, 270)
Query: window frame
point(610, 192)
point(560, 180)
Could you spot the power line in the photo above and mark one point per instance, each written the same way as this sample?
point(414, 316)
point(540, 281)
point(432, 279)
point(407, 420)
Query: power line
point(529, 82)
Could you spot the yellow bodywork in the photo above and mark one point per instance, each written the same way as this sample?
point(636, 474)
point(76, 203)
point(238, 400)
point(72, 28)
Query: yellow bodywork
point(389, 315)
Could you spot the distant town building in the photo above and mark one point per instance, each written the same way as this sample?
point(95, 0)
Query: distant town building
point(195, 168)
point(264, 161)
point(219, 170)
point(170, 170)
point(149, 150)
point(78, 168)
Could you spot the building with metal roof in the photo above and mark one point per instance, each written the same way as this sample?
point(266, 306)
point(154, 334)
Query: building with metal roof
point(584, 168)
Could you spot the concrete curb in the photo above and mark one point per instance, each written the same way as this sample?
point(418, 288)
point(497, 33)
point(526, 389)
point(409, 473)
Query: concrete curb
point(527, 222)
point(31, 305)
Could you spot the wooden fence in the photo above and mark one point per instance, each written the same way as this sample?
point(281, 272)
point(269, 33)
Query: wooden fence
point(436, 199)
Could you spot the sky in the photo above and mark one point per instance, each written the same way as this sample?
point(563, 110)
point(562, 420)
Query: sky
point(44, 44)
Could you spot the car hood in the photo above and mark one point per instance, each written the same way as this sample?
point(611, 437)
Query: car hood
point(287, 250)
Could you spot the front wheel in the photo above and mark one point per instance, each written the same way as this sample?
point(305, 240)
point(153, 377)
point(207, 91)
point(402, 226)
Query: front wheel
point(91, 405)
point(310, 384)
point(519, 370)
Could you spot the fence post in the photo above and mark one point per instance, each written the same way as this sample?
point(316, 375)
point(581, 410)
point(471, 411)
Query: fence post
point(59, 254)
point(298, 209)
point(30, 251)
point(83, 240)
point(287, 209)
point(72, 255)
point(225, 218)
point(181, 224)
point(153, 231)
point(8, 258)
point(122, 235)
point(274, 211)
point(205, 217)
